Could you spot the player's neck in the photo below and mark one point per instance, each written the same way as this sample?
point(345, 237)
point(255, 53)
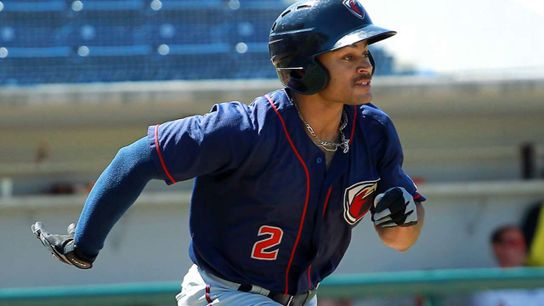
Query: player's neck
point(324, 118)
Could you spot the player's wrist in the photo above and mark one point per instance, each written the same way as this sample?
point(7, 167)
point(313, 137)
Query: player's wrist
point(76, 257)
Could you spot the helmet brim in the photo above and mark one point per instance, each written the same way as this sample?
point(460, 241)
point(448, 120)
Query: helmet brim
point(370, 33)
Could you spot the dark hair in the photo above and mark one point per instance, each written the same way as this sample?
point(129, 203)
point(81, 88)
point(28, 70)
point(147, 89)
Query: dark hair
point(496, 235)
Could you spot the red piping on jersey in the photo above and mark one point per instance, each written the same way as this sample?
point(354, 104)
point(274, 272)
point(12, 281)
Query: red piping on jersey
point(353, 124)
point(417, 196)
point(326, 201)
point(161, 159)
point(326, 204)
point(208, 296)
point(306, 200)
point(309, 277)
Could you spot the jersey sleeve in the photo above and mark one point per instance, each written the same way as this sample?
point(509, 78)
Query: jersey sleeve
point(114, 192)
point(203, 144)
point(390, 163)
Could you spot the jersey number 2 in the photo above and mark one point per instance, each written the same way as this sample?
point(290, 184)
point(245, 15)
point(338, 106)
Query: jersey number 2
point(261, 249)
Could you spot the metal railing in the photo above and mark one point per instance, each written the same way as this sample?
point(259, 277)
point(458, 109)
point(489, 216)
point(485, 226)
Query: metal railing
point(433, 284)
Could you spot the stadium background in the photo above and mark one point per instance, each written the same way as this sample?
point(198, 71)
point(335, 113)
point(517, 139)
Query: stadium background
point(80, 79)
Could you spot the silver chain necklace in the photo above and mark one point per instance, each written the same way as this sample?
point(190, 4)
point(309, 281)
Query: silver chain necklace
point(329, 146)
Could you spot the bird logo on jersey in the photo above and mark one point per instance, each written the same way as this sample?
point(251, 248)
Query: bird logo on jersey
point(358, 199)
point(355, 7)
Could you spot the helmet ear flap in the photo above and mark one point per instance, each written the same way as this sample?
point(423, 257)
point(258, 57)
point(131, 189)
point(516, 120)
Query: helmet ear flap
point(313, 78)
point(372, 62)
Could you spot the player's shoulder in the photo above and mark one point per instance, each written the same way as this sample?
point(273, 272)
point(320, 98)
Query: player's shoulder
point(260, 113)
point(268, 107)
point(372, 114)
point(277, 100)
point(229, 108)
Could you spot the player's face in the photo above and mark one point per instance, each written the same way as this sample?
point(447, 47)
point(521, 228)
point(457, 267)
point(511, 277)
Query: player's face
point(350, 73)
point(511, 250)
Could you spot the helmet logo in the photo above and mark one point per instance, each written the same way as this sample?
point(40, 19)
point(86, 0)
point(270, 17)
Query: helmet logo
point(355, 7)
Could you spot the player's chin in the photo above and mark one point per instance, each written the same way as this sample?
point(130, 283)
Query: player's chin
point(356, 95)
point(362, 98)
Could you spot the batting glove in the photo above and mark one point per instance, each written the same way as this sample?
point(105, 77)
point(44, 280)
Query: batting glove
point(394, 207)
point(62, 246)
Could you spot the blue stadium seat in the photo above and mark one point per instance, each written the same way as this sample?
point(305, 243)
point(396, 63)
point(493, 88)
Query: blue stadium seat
point(109, 69)
point(37, 53)
point(190, 26)
point(106, 28)
point(33, 70)
point(110, 5)
point(33, 29)
point(264, 4)
point(190, 4)
point(74, 41)
point(253, 25)
point(252, 65)
point(26, 6)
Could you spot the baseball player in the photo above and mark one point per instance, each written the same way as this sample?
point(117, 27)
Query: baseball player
point(280, 183)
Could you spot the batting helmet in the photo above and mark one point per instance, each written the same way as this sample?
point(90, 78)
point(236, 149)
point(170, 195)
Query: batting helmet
point(312, 27)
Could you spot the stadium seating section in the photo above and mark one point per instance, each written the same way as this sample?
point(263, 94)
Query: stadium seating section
point(61, 41)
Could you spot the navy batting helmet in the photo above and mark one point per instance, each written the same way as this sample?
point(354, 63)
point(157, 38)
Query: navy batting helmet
point(312, 27)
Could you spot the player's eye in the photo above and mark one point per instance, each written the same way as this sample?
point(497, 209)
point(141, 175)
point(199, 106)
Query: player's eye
point(366, 54)
point(347, 58)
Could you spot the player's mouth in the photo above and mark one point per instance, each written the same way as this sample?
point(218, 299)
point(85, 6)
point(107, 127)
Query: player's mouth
point(363, 81)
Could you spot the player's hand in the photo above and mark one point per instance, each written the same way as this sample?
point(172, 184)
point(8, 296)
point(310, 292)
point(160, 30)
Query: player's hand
point(62, 246)
point(394, 207)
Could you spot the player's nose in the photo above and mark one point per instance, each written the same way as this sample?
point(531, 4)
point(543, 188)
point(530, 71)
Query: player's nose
point(365, 67)
point(364, 70)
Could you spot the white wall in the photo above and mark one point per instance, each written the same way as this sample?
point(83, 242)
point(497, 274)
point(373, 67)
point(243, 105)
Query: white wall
point(452, 130)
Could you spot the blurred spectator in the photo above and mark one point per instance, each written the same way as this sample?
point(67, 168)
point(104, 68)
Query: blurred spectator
point(510, 250)
point(533, 229)
point(509, 246)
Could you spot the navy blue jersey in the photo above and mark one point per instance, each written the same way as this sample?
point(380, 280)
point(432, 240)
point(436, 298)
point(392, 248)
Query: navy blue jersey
point(265, 209)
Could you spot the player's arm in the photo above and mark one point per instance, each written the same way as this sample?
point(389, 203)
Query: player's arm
point(114, 192)
point(402, 237)
point(173, 151)
point(397, 213)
